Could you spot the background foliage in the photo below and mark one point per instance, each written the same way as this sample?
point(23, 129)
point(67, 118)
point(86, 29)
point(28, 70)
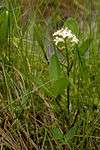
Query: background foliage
point(43, 104)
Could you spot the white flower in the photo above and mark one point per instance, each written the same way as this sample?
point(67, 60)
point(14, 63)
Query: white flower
point(58, 40)
point(59, 32)
point(75, 40)
point(64, 33)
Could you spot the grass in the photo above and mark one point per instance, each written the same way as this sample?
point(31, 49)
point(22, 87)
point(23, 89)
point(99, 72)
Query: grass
point(46, 100)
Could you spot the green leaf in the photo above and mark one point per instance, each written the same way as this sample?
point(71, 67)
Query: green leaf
point(57, 134)
point(45, 87)
point(39, 35)
point(53, 88)
point(24, 100)
point(72, 24)
point(84, 46)
point(64, 138)
point(58, 81)
point(54, 68)
point(4, 27)
point(58, 86)
point(71, 133)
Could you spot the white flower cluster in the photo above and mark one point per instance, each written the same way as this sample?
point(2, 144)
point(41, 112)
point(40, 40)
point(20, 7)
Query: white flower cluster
point(64, 33)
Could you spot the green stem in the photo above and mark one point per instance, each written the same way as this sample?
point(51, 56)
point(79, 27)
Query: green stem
point(68, 73)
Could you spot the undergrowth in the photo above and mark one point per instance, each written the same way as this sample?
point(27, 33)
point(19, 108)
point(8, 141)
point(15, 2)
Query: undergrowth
point(49, 98)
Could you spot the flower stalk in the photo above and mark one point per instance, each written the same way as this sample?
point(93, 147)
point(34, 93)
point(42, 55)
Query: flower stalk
point(65, 40)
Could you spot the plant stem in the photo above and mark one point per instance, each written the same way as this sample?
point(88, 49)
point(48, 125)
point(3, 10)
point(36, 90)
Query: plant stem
point(68, 87)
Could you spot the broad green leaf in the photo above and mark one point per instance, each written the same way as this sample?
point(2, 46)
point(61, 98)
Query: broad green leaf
point(58, 86)
point(64, 138)
point(54, 68)
point(57, 134)
point(58, 81)
point(72, 24)
point(71, 133)
point(53, 88)
point(45, 87)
